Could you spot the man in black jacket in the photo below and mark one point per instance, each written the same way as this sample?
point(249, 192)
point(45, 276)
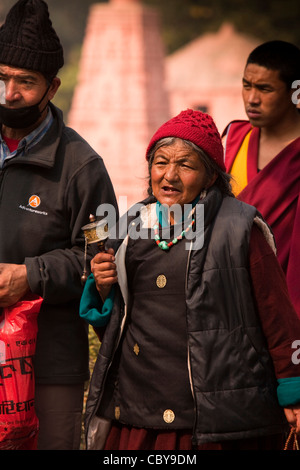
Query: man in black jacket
point(51, 180)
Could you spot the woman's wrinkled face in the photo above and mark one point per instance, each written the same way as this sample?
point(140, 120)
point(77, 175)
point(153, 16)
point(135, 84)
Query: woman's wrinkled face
point(177, 174)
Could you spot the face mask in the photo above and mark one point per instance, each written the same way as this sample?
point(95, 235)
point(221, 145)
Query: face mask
point(21, 118)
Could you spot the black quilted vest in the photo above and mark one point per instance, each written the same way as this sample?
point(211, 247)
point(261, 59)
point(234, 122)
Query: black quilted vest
point(232, 376)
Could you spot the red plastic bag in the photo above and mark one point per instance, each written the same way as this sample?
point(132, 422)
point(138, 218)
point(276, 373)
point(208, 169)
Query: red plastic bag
point(18, 331)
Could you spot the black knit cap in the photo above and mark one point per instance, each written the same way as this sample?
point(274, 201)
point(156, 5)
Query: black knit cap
point(28, 40)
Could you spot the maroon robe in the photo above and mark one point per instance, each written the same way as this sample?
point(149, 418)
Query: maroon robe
point(274, 191)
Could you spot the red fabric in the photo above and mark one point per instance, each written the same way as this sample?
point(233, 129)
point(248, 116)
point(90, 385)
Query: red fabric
point(235, 132)
point(274, 305)
point(12, 144)
point(130, 438)
point(274, 191)
point(18, 331)
point(197, 127)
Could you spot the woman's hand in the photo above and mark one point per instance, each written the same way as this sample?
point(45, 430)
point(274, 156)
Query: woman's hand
point(293, 417)
point(105, 272)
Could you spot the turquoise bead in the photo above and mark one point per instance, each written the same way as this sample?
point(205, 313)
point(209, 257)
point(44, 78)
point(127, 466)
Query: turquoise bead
point(163, 245)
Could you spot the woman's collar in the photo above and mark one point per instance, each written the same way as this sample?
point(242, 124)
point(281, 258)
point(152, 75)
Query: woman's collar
point(162, 211)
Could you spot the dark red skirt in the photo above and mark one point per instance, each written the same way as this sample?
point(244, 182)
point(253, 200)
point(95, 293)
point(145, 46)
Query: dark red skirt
point(123, 437)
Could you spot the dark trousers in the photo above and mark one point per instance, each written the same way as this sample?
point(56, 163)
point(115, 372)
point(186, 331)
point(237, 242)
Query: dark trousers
point(59, 410)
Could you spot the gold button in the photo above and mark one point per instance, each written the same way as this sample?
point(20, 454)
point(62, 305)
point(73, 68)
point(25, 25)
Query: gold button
point(136, 349)
point(161, 281)
point(168, 416)
point(117, 412)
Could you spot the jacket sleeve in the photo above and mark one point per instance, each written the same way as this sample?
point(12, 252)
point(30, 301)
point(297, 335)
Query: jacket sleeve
point(280, 323)
point(56, 274)
point(91, 308)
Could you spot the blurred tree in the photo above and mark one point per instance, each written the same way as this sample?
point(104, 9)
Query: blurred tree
point(182, 21)
point(68, 76)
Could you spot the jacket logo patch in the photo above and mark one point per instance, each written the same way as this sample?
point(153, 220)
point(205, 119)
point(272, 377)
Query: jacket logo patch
point(34, 201)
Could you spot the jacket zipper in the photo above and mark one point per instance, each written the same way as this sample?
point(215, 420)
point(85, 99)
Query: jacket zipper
point(188, 348)
point(121, 329)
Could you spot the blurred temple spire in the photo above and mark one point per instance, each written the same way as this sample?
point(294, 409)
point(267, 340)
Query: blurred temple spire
point(120, 98)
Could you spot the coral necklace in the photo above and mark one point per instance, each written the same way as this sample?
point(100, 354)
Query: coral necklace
point(163, 245)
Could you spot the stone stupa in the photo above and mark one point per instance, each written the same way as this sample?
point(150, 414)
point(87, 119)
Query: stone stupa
point(120, 98)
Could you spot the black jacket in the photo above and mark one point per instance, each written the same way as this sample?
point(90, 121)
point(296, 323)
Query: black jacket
point(71, 181)
point(232, 375)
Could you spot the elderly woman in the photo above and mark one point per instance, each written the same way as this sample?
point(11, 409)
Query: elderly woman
point(196, 351)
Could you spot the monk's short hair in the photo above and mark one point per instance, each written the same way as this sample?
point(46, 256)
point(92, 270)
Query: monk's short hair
point(278, 55)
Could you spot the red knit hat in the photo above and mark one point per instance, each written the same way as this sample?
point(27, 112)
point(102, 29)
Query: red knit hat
point(196, 127)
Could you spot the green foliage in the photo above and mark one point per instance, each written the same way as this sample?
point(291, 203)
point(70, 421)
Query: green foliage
point(68, 75)
point(181, 22)
point(94, 348)
point(184, 20)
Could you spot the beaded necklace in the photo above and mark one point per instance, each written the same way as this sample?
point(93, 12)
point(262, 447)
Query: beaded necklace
point(162, 244)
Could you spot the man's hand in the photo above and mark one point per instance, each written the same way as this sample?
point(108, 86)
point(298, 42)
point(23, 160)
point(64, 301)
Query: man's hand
point(13, 283)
